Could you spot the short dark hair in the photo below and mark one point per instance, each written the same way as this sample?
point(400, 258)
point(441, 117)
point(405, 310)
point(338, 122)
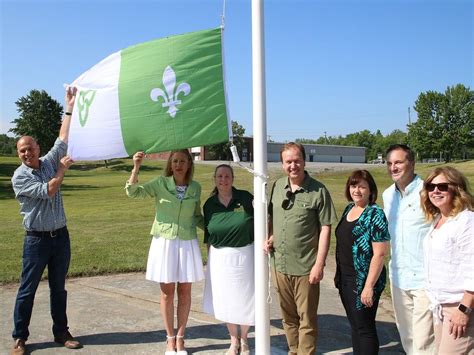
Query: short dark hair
point(293, 145)
point(356, 177)
point(404, 147)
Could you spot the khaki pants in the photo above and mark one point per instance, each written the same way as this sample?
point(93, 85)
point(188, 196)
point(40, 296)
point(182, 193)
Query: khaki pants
point(414, 320)
point(299, 307)
point(445, 343)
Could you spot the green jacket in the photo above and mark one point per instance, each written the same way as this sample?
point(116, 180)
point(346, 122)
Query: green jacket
point(174, 218)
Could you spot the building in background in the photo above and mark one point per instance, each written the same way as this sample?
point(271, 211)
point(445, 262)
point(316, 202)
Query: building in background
point(322, 153)
point(314, 153)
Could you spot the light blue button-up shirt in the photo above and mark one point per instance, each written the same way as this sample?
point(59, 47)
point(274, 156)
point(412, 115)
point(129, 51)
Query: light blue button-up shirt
point(408, 228)
point(40, 212)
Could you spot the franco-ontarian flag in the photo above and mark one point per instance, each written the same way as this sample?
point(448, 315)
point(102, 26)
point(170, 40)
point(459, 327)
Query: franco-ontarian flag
point(155, 96)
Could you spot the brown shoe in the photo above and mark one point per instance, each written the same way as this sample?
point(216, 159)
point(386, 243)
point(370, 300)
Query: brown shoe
point(19, 348)
point(68, 341)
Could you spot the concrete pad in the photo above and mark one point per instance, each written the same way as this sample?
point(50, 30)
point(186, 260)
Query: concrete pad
point(120, 314)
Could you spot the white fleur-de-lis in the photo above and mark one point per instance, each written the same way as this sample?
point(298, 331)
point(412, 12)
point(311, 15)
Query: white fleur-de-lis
point(170, 98)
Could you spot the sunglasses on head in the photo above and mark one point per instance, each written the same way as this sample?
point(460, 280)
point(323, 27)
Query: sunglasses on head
point(288, 201)
point(443, 187)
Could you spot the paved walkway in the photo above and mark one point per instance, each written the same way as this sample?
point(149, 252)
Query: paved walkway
point(119, 314)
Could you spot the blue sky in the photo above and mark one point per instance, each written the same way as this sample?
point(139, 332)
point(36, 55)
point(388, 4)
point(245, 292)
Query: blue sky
point(331, 66)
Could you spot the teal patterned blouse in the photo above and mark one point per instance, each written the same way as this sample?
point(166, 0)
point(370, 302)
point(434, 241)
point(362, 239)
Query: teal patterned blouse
point(372, 226)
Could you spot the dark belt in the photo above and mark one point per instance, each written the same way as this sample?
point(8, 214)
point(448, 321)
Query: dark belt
point(47, 234)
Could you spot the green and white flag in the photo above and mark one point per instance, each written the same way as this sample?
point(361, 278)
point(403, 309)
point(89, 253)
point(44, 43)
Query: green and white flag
point(155, 96)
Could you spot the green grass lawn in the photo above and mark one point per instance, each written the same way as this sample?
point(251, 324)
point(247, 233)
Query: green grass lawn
point(110, 232)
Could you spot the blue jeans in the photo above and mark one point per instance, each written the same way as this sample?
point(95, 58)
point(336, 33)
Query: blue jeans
point(39, 252)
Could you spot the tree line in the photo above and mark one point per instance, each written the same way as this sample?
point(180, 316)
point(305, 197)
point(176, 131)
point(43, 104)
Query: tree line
point(444, 127)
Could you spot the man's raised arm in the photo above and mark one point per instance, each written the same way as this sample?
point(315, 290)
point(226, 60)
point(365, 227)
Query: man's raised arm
point(69, 100)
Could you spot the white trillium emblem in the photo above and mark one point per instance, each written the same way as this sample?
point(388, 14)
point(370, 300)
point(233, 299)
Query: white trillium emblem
point(170, 97)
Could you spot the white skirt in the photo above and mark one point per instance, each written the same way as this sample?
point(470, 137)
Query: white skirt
point(174, 260)
point(229, 292)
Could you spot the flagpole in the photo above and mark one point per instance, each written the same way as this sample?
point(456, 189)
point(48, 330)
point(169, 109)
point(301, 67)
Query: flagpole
point(262, 309)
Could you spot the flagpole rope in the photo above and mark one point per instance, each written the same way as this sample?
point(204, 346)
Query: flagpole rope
point(253, 172)
point(236, 160)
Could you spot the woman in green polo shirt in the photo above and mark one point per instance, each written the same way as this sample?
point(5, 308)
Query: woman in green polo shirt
point(229, 291)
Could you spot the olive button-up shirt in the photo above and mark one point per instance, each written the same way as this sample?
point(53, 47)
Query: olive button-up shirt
point(297, 224)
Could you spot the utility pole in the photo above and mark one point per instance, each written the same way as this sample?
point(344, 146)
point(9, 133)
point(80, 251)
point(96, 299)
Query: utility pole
point(408, 130)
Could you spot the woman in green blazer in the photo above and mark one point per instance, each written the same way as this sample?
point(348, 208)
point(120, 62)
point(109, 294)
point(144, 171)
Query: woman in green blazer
point(174, 259)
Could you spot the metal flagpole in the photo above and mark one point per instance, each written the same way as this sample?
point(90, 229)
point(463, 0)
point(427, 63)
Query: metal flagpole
point(262, 309)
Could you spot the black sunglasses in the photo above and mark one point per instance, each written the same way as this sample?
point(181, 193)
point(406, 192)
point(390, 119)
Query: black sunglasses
point(287, 203)
point(443, 187)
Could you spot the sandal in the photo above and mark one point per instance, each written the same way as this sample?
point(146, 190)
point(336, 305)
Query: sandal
point(170, 352)
point(233, 349)
point(244, 347)
point(180, 352)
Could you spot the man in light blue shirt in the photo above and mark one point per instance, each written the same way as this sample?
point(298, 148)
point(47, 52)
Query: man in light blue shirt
point(36, 183)
point(408, 228)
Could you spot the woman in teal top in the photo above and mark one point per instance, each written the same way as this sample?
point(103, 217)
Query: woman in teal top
point(362, 243)
point(229, 290)
point(174, 259)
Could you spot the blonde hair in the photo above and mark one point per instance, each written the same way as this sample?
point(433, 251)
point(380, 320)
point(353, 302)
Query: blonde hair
point(189, 174)
point(293, 145)
point(458, 187)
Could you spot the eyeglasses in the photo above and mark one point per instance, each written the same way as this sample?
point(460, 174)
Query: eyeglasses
point(287, 203)
point(443, 187)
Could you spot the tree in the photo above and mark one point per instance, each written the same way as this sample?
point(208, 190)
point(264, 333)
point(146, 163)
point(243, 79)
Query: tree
point(425, 134)
point(7, 145)
point(377, 146)
point(306, 141)
point(395, 137)
point(221, 151)
point(445, 124)
point(460, 121)
point(39, 117)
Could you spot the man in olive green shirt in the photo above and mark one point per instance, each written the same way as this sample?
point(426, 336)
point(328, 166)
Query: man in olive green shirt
point(301, 212)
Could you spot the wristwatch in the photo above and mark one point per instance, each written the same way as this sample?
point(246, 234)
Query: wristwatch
point(464, 309)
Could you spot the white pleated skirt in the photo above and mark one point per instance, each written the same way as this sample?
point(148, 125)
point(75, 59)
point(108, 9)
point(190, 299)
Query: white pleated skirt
point(174, 260)
point(229, 291)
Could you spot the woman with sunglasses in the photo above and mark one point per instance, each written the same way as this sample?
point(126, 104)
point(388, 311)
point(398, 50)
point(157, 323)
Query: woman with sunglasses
point(362, 241)
point(449, 259)
point(229, 290)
